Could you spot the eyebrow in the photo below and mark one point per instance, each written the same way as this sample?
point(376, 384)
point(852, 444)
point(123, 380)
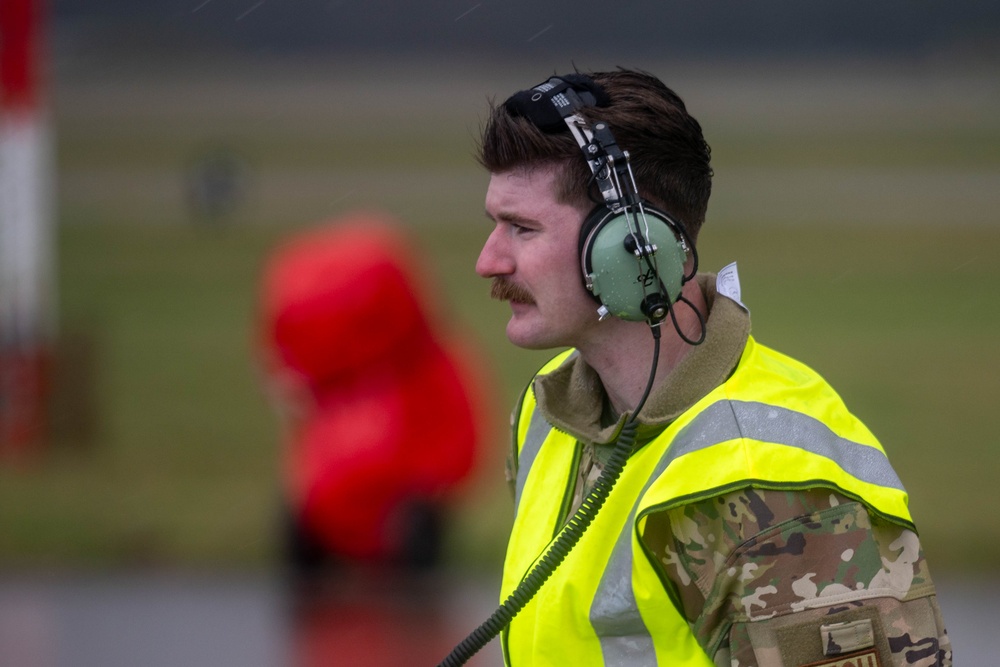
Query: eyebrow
point(510, 217)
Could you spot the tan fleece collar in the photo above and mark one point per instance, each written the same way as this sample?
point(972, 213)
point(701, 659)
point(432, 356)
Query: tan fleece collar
point(572, 397)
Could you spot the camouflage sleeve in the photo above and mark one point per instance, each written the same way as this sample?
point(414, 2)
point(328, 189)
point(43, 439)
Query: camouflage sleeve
point(799, 578)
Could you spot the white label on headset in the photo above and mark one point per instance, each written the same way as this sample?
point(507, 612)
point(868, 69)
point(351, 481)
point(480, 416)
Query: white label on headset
point(727, 283)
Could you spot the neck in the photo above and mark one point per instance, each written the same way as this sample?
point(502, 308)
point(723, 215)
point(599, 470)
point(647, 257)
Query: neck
point(623, 355)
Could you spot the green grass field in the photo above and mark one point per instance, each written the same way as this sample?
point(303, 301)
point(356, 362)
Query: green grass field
point(867, 245)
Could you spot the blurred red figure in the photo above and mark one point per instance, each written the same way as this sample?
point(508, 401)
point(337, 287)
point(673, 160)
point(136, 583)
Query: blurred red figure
point(384, 413)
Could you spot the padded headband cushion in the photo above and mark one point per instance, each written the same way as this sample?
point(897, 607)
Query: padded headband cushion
point(537, 106)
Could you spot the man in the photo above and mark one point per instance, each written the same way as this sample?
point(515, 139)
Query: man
point(756, 521)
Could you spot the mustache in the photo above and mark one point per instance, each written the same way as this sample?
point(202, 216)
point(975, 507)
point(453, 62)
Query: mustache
point(505, 290)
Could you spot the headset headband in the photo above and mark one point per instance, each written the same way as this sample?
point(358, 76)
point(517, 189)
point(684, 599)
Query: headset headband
point(548, 103)
point(553, 106)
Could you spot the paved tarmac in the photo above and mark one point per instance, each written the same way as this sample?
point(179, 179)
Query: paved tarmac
point(144, 619)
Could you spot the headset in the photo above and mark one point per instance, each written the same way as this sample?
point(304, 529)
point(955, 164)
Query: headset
point(632, 259)
point(632, 254)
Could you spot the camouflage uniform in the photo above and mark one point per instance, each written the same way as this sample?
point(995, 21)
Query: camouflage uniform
point(744, 564)
point(765, 577)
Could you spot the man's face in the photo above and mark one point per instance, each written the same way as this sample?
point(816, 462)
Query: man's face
point(531, 255)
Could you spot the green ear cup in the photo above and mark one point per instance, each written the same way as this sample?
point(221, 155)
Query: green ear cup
point(619, 279)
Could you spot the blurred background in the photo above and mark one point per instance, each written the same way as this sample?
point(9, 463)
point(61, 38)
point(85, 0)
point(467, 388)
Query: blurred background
point(857, 158)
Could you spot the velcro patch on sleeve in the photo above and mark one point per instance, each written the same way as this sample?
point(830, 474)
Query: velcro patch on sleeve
point(863, 659)
point(847, 637)
point(809, 642)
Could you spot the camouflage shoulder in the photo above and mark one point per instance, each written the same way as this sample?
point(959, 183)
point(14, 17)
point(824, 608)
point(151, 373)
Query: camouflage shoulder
point(785, 589)
point(693, 543)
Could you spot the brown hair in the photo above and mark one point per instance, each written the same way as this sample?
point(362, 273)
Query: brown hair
point(669, 155)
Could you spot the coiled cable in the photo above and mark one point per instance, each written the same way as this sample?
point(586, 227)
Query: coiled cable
point(567, 538)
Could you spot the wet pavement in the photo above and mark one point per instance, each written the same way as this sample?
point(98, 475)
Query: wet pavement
point(144, 619)
point(148, 619)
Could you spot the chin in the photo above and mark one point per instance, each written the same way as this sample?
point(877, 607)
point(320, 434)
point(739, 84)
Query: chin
point(531, 340)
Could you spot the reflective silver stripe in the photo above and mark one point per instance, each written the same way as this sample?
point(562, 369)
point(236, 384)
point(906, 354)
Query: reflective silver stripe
point(538, 430)
point(614, 613)
point(728, 420)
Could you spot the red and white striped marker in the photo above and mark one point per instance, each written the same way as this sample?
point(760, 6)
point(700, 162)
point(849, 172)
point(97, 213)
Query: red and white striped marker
point(27, 290)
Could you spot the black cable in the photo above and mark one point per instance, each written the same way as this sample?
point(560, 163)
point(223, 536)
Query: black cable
point(567, 538)
point(677, 327)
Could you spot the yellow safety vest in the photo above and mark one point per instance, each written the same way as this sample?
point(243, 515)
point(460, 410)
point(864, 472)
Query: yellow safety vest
point(773, 424)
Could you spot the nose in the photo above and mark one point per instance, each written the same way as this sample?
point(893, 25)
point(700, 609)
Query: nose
point(494, 259)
